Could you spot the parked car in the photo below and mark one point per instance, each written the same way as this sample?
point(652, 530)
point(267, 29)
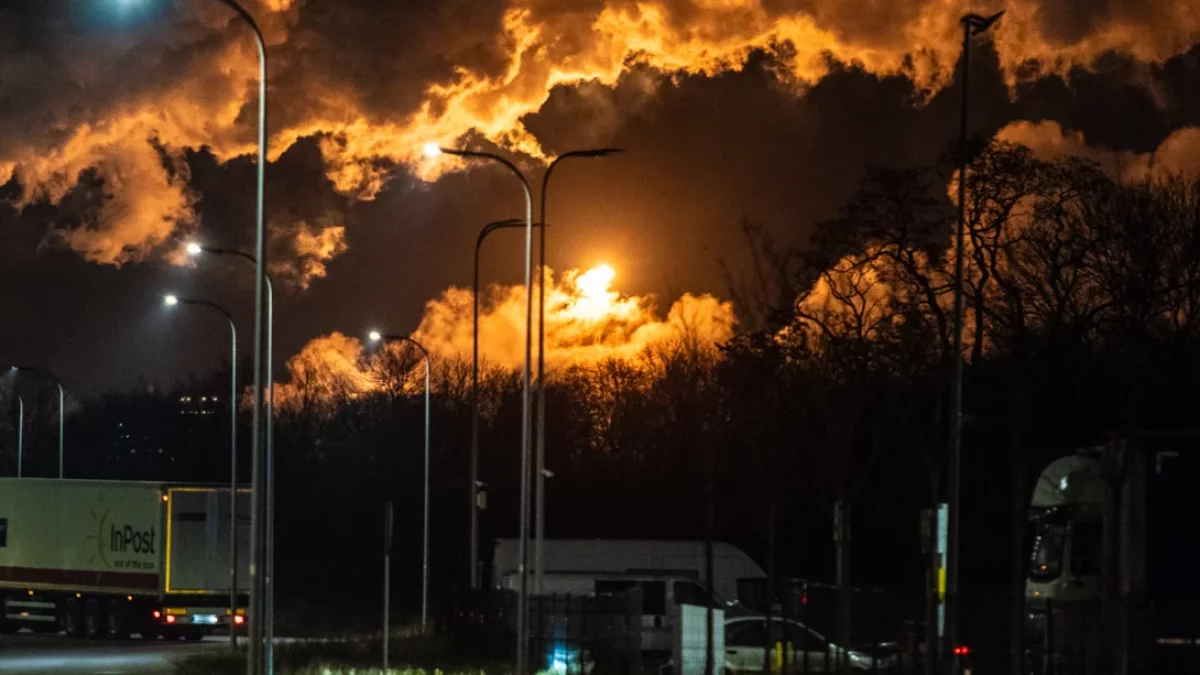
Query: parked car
point(805, 649)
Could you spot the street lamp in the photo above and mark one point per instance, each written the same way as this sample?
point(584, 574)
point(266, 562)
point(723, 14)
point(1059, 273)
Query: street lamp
point(432, 150)
point(539, 529)
point(172, 301)
point(377, 337)
point(255, 662)
point(20, 432)
point(194, 249)
point(61, 403)
point(473, 560)
point(972, 24)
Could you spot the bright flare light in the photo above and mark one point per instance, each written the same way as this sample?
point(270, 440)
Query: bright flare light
point(375, 336)
point(194, 249)
point(170, 300)
point(432, 150)
point(596, 299)
point(594, 283)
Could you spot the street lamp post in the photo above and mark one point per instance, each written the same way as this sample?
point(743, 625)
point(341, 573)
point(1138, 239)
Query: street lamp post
point(539, 528)
point(473, 487)
point(195, 249)
point(377, 337)
point(61, 409)
point(972, 24)
point(432, 150)
point(20, 432)
point(171, 301)
point(255, 662)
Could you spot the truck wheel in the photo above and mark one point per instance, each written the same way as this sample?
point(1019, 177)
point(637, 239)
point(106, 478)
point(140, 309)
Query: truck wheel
point(72, 618)
point(93, 619)
point(118, 620)
point(194, 635)
point(5, 625)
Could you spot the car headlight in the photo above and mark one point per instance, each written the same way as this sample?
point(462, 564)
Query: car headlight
point(860, 659)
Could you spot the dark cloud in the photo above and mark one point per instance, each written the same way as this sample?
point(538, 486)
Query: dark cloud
point(762, 111)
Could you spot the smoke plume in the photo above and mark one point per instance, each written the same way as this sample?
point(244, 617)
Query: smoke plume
point(1179, 153)
point(586, 322)
point(373, 81)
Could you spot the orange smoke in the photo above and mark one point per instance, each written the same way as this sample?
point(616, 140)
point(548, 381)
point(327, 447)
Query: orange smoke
point(327, 370)
point(546, 46)
point(494, 82)
point(1178, 153)
point(586, 322)
point(309, 248)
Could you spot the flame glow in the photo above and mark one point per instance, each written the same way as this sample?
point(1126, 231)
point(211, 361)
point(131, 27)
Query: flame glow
point(586, 322)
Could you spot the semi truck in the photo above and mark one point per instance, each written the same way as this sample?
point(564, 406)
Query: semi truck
point(1112, 583)
point(108, 559)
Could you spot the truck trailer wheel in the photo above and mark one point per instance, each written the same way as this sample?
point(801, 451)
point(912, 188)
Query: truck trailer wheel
point(118, 620)
point(72, 618)
point(6, 626)
point(93, 619)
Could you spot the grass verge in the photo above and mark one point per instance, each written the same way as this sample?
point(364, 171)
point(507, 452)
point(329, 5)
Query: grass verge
point(417, 655)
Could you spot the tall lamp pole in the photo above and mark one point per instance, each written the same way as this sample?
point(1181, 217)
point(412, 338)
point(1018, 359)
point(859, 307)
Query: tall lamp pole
point(194, 249)
point(539, 528)
point(256, 662)
point(171, 301)
point(61, 408)
point(432, 150)
point(376, 336)
point(473, 487)
point(20, 432)
point(972, 24)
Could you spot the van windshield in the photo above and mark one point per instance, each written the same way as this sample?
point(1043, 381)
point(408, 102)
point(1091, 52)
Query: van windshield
point(1046, 560)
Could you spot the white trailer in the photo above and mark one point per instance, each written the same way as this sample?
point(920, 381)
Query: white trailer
point(107, 559)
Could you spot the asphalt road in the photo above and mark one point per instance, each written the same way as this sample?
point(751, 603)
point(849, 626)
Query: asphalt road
point(29, 654)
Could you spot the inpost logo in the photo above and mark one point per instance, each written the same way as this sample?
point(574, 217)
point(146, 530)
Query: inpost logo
point(125, 539)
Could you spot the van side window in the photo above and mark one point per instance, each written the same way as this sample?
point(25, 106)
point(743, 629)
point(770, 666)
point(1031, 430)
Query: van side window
point(688, 593)
point(749, 633)
point(654, 597)
point(1087, 541)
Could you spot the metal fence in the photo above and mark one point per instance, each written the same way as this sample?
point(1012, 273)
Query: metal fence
point(594, 634)
point(1088, 638)
point(586, 634)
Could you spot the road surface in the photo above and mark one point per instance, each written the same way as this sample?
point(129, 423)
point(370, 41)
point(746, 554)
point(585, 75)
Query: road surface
point(29, 654)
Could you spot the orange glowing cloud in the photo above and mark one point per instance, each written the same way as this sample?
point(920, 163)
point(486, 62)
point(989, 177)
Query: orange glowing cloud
point(586, 322)
point(1179, 153)
point(466, 74)
point(307, 250)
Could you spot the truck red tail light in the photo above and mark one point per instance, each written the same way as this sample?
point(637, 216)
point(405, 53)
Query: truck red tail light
point(170, 618)
point(239, 620)
point(157, 614)
point(962, 650)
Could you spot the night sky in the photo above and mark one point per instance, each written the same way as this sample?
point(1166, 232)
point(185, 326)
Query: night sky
point(127, 128)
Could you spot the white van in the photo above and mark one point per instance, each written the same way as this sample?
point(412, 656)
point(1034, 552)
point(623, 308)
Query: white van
point(669, 574)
